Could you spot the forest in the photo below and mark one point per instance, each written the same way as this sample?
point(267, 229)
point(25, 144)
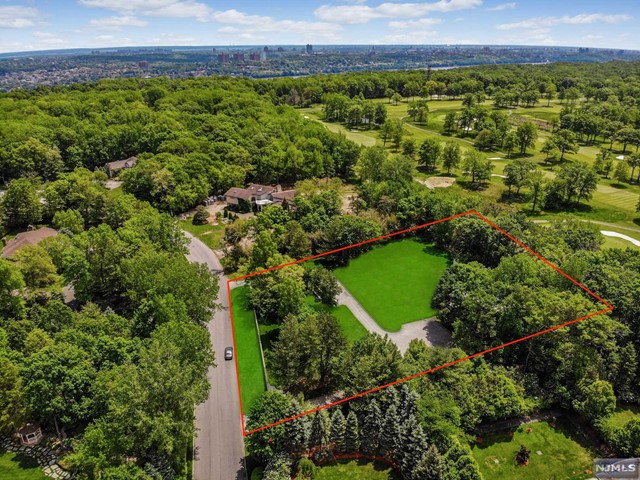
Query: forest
point(116, 372)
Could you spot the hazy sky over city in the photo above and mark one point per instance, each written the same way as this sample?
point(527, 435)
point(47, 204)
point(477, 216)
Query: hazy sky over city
point(55, 24)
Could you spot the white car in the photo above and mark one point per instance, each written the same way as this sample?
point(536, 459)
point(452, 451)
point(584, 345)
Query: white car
point(228, 353)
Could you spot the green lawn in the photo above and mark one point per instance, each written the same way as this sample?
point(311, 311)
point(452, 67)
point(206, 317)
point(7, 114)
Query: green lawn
point(349, 324)
point(247, 349)
point(563, 457)
point(395, 282)
point(623, 415)
point(19, 467)
point(355, 470)
point(211, 235)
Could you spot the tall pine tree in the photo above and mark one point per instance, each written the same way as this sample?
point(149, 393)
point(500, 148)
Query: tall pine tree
point(297, 431)
point(391, 433)
point(338, 429)
point(431, 467)
point(414, 444)
point(371, 430)
point(352, 434)
point(408, 403)
point(320, 433)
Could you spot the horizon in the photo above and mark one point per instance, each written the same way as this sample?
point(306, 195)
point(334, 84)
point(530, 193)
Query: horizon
point(38, 25)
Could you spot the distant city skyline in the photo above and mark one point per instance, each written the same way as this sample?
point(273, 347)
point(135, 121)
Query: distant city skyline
point(27, 25)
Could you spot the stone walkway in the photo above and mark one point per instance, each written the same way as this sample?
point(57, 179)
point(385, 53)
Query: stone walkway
point(46, 458)
point(430, 330)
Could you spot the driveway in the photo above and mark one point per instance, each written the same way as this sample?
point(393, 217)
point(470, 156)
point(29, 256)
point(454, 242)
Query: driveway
point(219, 446)
point(430, 330)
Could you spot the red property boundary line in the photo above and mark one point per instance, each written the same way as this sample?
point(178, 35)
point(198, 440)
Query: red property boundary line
point(608, 308)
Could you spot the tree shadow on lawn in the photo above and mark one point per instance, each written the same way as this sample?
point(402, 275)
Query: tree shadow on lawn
point(25, 462)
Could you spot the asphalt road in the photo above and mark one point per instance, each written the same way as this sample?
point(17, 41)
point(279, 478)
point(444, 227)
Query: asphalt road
point(219, 446)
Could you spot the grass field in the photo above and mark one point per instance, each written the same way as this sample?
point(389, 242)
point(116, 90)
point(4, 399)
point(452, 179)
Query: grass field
point(395, 282)
point(355, 470)
point(563, 457)
point(211, 235)
point(349, 324)
point(623, 415)
point(16, 466)
point(247, 349)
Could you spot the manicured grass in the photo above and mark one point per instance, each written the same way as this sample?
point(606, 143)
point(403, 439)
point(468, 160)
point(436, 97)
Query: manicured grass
point(622, 415)
point(211, 235)
point(247, 349)
point(563, 457)
point(349, 324)
point(395, 282)
point(355, 470)
point(19, 467)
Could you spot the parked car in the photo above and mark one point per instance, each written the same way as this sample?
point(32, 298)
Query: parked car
point(228, 353)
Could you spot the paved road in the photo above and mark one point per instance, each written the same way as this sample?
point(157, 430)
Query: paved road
point(219, 447)
point(430, 330)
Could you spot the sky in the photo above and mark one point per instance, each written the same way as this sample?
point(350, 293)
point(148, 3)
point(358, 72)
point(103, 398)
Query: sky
point(55, 24)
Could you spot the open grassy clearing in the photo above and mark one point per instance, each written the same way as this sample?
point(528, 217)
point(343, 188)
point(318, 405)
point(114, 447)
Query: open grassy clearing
point(247, 349)
point(355, 470)
point(396, 281)
point(17, 466)
point(211, 235)
point(563, 457)
point(622, 415)
point(349, 324)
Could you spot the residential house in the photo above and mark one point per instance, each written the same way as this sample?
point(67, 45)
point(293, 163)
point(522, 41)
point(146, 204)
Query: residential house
point(113, 168)
point(258, 195)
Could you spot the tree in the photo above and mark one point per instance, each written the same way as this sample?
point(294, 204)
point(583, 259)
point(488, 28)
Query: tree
point(370, 163)
point(526, 136)
point(451, 156)
point(11, 305)
point(580, 181)
point(396, 97)
point(323, 285)
point(352, 434)
point(36, 267)
point(12, 402)
point(380, 114)
point(477, 166)
point(412, 446)
point(510, 142)
point(430, 153)
point(21, 204)
point(621, 172)
point(565, 141)
point(596, 400)
point(390, 435)
point(485, 138)
point(320, 435)
point(409, 148)
point(371, 430)
point(386, 131)
point(517, 173)
point(536, 182)
point(345, 230)
point(372, 361)
point(418, 111)
point(431, 467)
point(271, 406)
point(295, 243)
point(57, 384)
point(69, 221)
point(201, 215)
point(338, 430)
point(450, 124)
point(397, 134)
point(604, 162)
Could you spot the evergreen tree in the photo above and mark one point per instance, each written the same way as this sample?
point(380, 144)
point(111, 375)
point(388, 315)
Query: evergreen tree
point(412, 447)
point(352, 434)
point(371, 430)
point(431, 467)
point(320, 435)
point(338, 429)
point(391, 433)
point(297, 431)
point(408, 403)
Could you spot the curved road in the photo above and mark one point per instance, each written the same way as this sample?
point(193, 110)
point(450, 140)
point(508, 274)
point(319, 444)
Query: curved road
point(219, 446)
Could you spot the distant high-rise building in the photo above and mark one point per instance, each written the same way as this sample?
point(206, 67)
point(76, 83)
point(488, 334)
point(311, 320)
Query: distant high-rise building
point(255, 56)
point(280, 49)
point(265, 49)
point(309, 48)
point(263, 56)
point(223, 57)
point(238, 57)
